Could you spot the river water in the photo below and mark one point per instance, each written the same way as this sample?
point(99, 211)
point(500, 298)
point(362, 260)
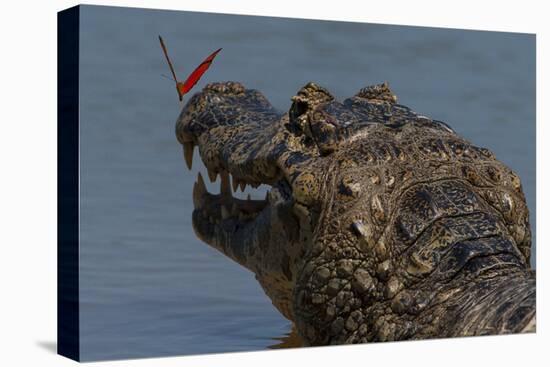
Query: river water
point(148, 287)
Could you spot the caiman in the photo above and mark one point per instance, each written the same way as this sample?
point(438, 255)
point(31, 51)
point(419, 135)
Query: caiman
point(380, 223)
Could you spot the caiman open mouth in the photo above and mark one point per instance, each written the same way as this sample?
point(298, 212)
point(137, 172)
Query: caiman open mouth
point(228, 212)
point(227, 222)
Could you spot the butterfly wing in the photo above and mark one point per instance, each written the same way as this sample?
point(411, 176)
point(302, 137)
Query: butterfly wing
point(194, 77)
point(171, 67)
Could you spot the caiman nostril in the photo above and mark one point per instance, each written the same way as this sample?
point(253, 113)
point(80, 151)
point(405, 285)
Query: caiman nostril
point(225, 87)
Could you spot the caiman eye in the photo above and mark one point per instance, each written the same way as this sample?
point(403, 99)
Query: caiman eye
point(297, 116)
point(324, 130)
point(297, 109)
point(306, 100)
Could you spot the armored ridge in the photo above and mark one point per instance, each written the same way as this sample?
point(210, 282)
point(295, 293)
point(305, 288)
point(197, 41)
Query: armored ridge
point(380, 224)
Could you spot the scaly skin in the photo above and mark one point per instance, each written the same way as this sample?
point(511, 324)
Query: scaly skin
point(381, 224)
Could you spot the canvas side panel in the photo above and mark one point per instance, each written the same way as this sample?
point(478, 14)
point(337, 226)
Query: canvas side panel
point(68, 183)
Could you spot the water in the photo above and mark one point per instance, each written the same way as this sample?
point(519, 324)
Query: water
point(148, 286)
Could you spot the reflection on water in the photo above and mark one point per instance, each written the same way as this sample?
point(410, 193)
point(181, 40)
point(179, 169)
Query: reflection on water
point(289, 340)
point(149, 287)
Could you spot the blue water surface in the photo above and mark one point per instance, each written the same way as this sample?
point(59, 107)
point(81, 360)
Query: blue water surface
point(148, 286)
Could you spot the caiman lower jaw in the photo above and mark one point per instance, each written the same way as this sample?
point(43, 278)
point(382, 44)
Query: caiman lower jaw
point(228, 223)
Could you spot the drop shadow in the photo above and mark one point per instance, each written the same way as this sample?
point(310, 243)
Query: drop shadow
point(50, 346)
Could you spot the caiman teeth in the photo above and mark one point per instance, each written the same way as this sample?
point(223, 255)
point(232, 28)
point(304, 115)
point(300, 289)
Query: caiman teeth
point(235, 183)
point(223, 209)
point(238, 183)
point(199, 190)
point(188, 148)
point(225, 189)
point(212, 175)
point(216, 208)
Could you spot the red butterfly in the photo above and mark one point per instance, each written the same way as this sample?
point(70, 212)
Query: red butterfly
point(194, 77)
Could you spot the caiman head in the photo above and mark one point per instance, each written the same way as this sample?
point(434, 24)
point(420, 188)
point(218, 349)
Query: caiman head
point(242, 138)
point(374, 213)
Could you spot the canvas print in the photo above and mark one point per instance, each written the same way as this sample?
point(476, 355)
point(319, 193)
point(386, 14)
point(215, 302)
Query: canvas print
point(234, 183)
